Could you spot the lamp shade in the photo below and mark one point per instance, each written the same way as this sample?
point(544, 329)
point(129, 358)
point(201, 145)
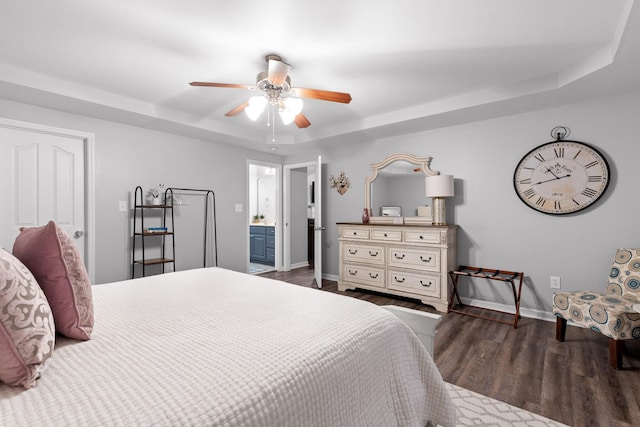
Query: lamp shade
point(439, 186)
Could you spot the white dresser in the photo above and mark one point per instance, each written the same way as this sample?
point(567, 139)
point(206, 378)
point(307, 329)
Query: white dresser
point(407, 260)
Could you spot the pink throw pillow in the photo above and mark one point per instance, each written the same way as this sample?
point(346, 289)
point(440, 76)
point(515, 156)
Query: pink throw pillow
point(56, 264)
point(27, 330)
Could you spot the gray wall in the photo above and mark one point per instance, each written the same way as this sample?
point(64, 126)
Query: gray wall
point(496, 229)
point(128, 156)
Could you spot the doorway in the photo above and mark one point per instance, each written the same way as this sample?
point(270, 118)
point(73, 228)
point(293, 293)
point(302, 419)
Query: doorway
point(302, 233)
point(263, 212)
point(46, 173)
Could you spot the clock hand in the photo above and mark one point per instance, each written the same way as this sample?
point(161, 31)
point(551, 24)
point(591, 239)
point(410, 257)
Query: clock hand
point(552, 179)
point(551, 172)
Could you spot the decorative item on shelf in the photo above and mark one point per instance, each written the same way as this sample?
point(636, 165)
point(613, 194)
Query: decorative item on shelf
point(365, 216)
point(341, 183)
point(155, 194)
point(438, 187)
point(257, 219)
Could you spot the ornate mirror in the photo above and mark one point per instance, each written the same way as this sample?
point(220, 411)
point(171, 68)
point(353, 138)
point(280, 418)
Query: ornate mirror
point(396, 189)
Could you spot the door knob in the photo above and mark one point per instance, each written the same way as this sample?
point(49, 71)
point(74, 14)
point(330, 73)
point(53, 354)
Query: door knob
point(78, 234)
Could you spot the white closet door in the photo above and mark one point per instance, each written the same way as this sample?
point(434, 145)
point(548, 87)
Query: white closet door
point(41, 179)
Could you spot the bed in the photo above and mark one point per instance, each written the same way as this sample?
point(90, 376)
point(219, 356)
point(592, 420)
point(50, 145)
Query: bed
point(216, 347)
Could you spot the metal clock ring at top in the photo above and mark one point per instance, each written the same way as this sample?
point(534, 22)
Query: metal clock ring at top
point(561, 177)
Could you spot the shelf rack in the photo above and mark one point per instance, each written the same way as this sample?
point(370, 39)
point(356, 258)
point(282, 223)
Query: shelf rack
point(140, 234)
point(490, 274)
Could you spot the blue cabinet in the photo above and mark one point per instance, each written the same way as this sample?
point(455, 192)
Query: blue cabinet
point(262, 244)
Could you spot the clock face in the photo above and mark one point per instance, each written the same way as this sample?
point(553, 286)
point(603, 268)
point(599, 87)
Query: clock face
point(561, 177)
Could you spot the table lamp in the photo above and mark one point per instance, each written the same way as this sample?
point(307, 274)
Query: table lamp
point(438, 187)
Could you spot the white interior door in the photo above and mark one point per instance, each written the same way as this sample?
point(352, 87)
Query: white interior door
point(319, 226)
point(41, 178)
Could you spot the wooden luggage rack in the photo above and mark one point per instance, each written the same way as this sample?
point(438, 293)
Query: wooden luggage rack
point(490, 274)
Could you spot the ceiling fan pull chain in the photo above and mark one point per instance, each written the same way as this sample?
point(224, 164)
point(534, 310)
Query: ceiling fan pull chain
point(273, 130)
point(268, 116)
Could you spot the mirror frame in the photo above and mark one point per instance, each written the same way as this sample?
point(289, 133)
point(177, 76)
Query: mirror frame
point(423, 162)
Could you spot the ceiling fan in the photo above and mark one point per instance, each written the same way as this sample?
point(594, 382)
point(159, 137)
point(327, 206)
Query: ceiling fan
point(275, 85)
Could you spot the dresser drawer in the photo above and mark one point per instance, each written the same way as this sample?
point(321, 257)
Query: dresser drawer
point(419, 258)
point(365, 275)
point(363, 233)
point(422, 236)
point(423, 284)
point(370, 254)
point(386, 235)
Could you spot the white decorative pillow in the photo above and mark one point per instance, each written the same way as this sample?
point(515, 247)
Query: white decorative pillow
point(27, 330)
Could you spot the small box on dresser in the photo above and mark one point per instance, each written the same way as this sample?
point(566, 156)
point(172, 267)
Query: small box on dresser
point(406, 260)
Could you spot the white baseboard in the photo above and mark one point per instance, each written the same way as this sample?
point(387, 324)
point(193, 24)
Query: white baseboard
point(299, 265)
point(332, 277)
point(524, 312)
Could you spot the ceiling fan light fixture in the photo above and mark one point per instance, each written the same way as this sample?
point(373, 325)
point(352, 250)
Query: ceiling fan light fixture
point(289, 109)
point(294, 105)
point(256, 107)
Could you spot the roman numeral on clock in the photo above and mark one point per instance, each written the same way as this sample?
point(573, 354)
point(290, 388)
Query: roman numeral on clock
point(529, 193)
point(559, 151)
point(539, 157)
point(595, 178)
point(590, 165)
point(589, 192)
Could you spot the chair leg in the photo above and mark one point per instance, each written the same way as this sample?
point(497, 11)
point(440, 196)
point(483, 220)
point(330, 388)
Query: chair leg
point(561, 328)
point(615, 353)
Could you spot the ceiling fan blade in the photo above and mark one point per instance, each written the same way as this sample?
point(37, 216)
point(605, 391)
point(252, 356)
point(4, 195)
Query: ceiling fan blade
point(239, 109)
point(325, 95)
point(230, 85)
point(277, 72)
point(301, 121)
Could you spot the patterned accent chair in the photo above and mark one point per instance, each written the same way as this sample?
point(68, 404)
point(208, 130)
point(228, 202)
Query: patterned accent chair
point(614, 313)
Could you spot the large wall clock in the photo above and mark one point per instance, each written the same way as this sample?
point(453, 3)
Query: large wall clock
point(561, 177)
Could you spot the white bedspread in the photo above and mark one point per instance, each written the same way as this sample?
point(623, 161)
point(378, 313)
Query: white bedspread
point(217, 347)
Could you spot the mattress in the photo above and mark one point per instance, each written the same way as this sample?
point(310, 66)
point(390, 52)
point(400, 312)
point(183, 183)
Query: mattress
point(217, 347)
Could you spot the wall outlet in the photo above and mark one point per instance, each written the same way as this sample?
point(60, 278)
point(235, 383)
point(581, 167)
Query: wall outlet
point(554, 282)
point(122, 205)
point(238, 207)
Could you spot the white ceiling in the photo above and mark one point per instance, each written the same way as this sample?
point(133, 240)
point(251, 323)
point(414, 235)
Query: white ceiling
point(408, 64)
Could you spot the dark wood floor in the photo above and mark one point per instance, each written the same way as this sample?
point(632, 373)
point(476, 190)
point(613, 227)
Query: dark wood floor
point(569, 382)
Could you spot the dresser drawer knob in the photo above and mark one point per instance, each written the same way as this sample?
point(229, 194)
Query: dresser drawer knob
point(426, 285)
point(355, 233)
point(353, 272)
point(353, 251)
point(398, 280)
point(385, 234)
point(421, 237)
point(373, 276)
point(426, 260)
point(398, 257)
point(372, 254)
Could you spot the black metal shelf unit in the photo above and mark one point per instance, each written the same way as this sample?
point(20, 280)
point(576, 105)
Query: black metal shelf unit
point(142, 232)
